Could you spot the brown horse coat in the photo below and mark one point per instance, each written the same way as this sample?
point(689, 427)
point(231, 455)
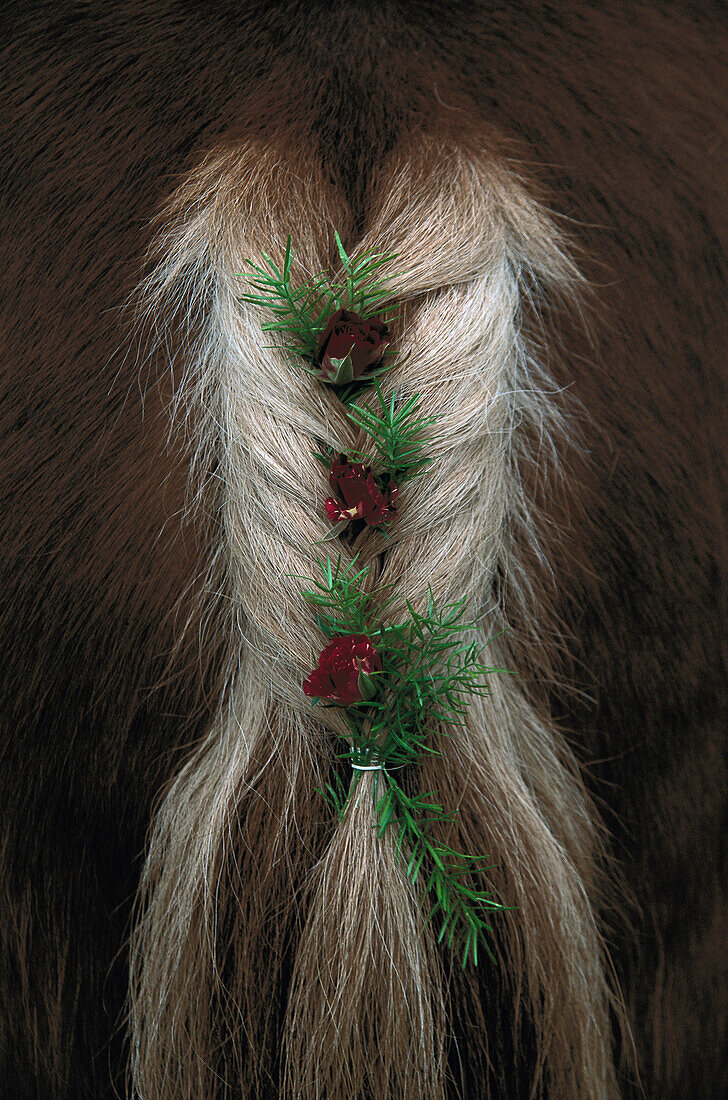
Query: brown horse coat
point(115, 639)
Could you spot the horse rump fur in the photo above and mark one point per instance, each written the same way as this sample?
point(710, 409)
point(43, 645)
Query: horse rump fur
point(183, 916)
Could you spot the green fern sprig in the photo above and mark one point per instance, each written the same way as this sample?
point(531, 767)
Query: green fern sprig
point(429, 670)
point(429, 666)
point(398, 434)
point(364, 292)
point(301, 313)
point(339, 598)
point(464, 909)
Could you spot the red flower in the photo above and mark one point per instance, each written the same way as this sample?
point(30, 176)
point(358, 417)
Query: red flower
point(343, 670)
point(348, 346)
point(357, 494)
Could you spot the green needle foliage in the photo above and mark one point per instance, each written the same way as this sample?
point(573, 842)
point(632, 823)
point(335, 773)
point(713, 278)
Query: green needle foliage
point(461, 909)
point(429, 670)
point(302, 313)
point(430, 666)
point(365, 290)
point(397, 434)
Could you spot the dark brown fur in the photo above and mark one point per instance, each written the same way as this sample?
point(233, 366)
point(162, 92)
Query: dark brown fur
point(620, 118)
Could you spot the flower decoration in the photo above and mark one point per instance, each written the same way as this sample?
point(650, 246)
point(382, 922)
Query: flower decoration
point(358, 496)
point(344, 670)
point(349, 346)
point(401, 682)
point(427, 667)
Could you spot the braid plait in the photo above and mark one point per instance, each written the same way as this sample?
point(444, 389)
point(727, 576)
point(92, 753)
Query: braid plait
point(282, 949)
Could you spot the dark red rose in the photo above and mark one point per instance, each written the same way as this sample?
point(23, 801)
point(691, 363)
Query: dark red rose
point(343, 671)
point(357, 494)
point(349, 346)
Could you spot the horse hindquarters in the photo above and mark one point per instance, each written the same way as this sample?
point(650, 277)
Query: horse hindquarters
point(117, 648)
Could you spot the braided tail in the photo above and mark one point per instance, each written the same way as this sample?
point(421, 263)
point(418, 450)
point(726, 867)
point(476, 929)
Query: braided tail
point(278, 951)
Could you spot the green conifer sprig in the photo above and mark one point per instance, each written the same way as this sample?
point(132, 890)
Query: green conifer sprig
point(460, 907)
point(427, 667)
point(430, 667)
point(399, 437)
point(302, 312)
point(398, 434)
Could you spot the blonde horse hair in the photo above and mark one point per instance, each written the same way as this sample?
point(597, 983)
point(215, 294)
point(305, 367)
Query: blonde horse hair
point(277, 948)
